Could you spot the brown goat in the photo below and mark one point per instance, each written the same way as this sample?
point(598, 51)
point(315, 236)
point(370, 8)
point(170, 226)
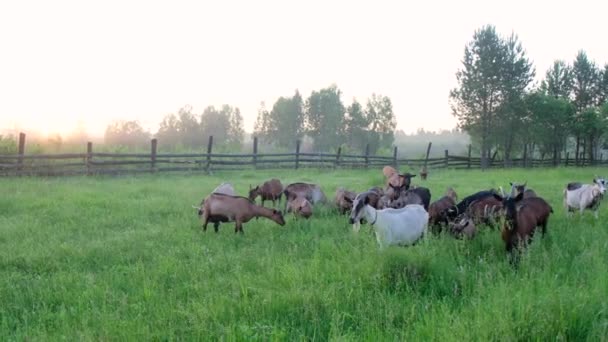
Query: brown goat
point(449, 192)
point(311, 192)
point(344, 200)
point(226, 208)
point(521, 188)
point(271, 190)
point(374, 194)
point(300, 207)
point(437, 212)
point(485, 210)
point(464, 227)
point(522, 218)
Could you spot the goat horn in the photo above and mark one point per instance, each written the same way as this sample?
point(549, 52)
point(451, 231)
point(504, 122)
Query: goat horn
point(195, 207)
point(502, 191)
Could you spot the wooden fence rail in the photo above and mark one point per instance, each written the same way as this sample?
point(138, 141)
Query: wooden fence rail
point(97, 163)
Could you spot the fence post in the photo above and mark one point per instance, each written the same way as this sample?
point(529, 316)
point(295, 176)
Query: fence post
point(153, 144)
point(601, 157)
point(209, 150)
point(89, 158)
point(525, 157)
point(395, 158)
point(21, 152)
point(567, 157)
point(469, 155)
point(255, 152)
point(338, 156)
point(297, 154)
point(446, 159)
point(428, 151)
point(367, 156)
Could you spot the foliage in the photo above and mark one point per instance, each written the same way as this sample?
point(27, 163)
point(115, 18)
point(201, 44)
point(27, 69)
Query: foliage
point(8, 145)
point(123, 258)
point(126, 133)
point(325, 118)
point(284, 124)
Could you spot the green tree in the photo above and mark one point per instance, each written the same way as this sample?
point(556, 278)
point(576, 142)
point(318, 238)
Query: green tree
point(216, 123)
point(516, 75)
point(325, 118)
point(550, 120)
point(284, 124)
point(356, 124)
point(189, 129)
point(168, 131)
point(585, 84)
point(558, 80)
point(126, 133)
point(381, 122)
point(478, 96)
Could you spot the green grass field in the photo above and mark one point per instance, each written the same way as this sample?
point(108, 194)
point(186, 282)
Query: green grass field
point(124, 259)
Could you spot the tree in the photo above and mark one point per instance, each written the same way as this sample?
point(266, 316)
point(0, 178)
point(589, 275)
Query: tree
point(602, 90)
point(325, 118)
point(585, 85)
point(236, 132)
point(476, 100)
point(516, 74)
point(126, 133)
point(550, 120)
point(168, 131)
point(284, 124)
point(216, 123)
point(356, 124)
point(558, 80)
point(189, 129)
point(381, 122)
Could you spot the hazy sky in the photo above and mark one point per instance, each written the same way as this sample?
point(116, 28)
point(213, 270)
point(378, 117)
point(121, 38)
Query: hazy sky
point(97, 61)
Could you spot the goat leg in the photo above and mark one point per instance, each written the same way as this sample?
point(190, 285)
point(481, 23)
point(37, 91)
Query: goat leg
point(216, 226)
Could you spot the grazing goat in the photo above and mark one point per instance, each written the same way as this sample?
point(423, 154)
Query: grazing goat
point(311, 192)
point(402, 226)
point(271, 190)
point(300, 207)
point(584, 196)
point(450, 192)
point(344, 200)
point(437, 212)
point(454, 211)
point(485, 210)
point(226, 208)
point(375, 194)
point(224, 188)
point(521, 219)
point(465, 227)
point(521, 188)
point(412, 196)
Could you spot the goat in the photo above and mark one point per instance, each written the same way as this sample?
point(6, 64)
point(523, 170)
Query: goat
point(485, 210)
point(521, 188)
point(224, 188)
point(226, 208)
point(300, 207)
point(521, 219)
point(271, 190)
point(412, 196)
point(450, 192)
point(584, 196)
point(344, 200)
point(375, 194)
point(311, 192)
point(402, 226)
point(465, 227)
point(454, 211)
point(437, 212)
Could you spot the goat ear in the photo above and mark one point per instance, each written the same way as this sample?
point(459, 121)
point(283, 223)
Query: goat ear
point(412, 176)
point(348, 199)
point(366, 200)
point(511, 183)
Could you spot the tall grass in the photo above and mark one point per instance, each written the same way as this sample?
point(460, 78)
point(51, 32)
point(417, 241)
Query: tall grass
point(124, 259)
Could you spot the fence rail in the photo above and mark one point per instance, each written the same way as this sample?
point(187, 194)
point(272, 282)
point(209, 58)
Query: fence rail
point(93, 163)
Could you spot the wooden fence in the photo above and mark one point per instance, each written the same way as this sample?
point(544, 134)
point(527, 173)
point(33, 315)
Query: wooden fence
point(94, 163)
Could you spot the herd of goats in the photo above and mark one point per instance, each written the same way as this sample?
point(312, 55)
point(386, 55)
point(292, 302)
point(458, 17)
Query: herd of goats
point(401, 213)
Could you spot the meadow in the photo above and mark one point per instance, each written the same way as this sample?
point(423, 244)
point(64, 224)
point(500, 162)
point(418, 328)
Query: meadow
point(124, 258)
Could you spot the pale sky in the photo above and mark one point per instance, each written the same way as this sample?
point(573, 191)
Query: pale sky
point(97, 61)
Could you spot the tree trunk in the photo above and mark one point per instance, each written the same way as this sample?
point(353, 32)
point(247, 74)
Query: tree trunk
point(484, 152)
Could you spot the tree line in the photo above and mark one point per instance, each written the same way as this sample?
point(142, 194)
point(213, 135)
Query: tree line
point(328, 122)
point(322, 119)
point(503, 110)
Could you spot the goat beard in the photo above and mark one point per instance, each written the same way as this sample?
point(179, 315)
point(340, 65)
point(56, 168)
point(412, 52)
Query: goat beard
point(357, 226)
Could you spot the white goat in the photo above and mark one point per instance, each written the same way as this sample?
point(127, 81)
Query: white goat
point(393, 226)
point(584, 196)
